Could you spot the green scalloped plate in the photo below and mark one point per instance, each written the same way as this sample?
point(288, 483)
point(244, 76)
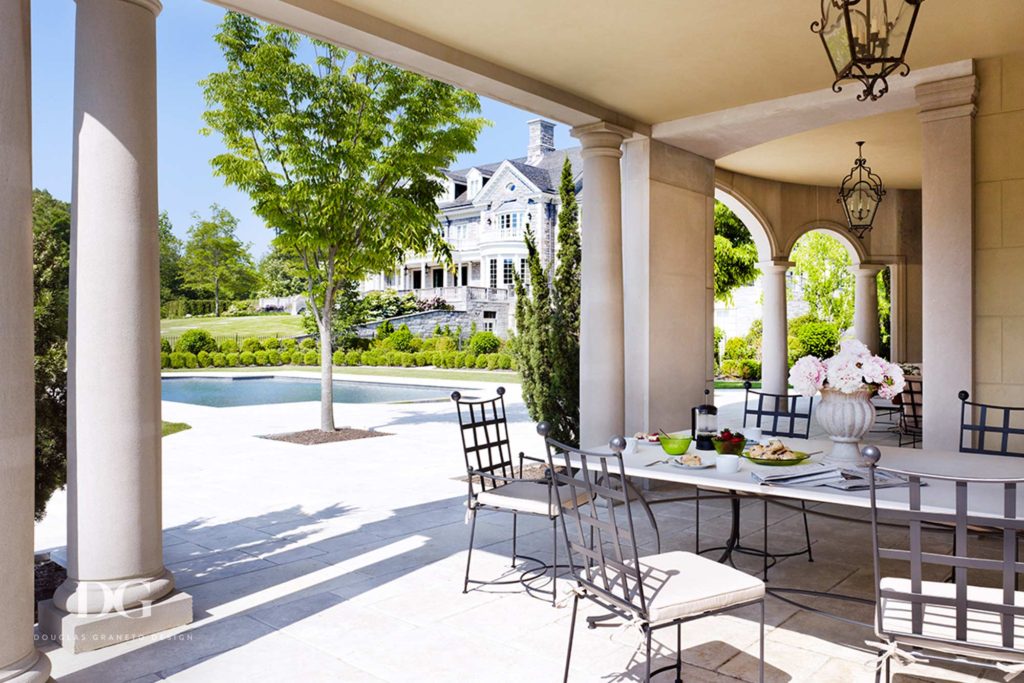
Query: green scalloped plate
point(778, 463)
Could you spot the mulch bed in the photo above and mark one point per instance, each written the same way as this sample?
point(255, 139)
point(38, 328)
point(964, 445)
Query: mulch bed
point(49, 575)
point(313, 437)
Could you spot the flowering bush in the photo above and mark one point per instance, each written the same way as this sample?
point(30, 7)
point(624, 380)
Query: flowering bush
point(851, 370)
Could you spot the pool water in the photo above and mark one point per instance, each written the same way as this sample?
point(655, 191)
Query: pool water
point(222, 392)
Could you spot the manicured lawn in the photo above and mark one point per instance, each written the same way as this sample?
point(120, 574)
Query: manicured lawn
point(734, 384)
point(174, 427)
point(500, 376)
point(253, 325)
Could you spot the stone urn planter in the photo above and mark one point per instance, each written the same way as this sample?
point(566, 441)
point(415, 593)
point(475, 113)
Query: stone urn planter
point(846, 418)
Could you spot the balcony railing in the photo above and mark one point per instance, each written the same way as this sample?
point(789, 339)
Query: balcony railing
point(459, 294)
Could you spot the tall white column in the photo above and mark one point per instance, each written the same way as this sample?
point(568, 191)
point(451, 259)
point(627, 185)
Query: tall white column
point(19, 659)
point(947, 243)
point(865, 305)
point(115, 560)
point(602, 382)
point(774, 347)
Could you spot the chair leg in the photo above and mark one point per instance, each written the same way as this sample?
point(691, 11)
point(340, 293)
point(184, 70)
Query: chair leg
point(696, 535)
point(807, 531)
point(515, 518)
point(572, 629)
point(469, 555)
point(679, 652)
point(647, 662)
point(765, 569)
point(760, 663)
point(554, 561)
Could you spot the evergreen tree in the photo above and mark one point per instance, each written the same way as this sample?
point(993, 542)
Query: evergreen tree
point(533, 322)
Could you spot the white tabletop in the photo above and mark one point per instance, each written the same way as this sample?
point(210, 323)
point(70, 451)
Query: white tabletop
point(937, 496)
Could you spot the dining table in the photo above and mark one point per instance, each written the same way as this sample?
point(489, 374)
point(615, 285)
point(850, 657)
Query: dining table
point(649, 462)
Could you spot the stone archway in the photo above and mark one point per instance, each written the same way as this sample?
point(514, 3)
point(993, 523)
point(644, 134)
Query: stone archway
point(858, 253)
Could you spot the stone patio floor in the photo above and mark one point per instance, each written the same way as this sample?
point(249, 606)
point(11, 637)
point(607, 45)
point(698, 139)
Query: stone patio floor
point(344, 562)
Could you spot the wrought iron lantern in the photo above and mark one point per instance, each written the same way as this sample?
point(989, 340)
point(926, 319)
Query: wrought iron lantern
point(866, 40)
point(860, 194)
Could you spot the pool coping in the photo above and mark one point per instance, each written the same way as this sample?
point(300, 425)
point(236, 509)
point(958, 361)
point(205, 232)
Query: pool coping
point(341, 376)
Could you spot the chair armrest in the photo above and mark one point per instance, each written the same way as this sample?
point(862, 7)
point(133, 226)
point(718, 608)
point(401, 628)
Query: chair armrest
point(495, 477)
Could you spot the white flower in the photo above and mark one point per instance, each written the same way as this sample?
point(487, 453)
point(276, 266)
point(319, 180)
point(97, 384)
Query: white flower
point(843, 373)
point(807, 375)
point(853, 347)
point(893, 383)
point(875, 369)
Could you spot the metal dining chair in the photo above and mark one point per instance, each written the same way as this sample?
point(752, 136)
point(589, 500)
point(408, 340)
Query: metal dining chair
point(979, 421)
point(912, 416)
point(952, 622)
point(496, 484)
point(651, 591)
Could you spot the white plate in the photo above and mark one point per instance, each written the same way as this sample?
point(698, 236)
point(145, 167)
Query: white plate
point(678, 462)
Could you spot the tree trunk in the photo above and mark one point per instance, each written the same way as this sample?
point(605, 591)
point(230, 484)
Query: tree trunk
point(326, 372)
point(216, 298)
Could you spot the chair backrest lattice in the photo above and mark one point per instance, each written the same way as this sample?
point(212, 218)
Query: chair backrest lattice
point(990, 429)
point(485, 441)
point(956, 605)
point(778, 414)
point(599, 533)
point(911, 405)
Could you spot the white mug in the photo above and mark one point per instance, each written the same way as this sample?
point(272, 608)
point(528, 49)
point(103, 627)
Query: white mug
point(727, 463)
point(630, 445)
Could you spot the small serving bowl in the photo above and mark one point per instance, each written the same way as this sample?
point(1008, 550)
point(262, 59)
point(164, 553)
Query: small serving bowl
point(729, 447)
point(675, 445)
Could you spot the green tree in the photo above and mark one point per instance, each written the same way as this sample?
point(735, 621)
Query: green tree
point(170, 260)
point(823, 279)
point(51, 227)
point(735, 254)
point(340, 157)
point(215, 260)
point(281, 273)
point(885, 313)
point(534, 330)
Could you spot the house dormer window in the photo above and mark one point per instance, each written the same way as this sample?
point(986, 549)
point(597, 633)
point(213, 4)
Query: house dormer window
point(474, 186)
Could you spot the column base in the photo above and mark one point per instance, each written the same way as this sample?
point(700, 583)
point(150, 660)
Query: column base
point(35, 668)
point(83, 633)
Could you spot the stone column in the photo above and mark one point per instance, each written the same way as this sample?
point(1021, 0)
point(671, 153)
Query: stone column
point(865, 305)
point(602, 383)
point(117, 584)
point(19, 659)
point(774, 347)
point(947, 220)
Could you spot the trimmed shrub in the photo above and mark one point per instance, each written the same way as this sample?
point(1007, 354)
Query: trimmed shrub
point(352, 357)
point(271, 344)
point(449, 359)
point(165, 346)
point(191, 361)
point(273, 357)
point(338, 357)
point(460, 360)
point(286, 357)
point(165, 359)
point(229, 346)
point(482, 359)
point(416, 344)
point(261, 357)
point(484, 342)
point(246, 357)
point(311, 358)
point(819, 339)
point(252, 345)
point(308, 343)
point(231, 359)
point(204, 359)
point(470, 361)
point(219, 361)
point(401, 339)
point(493, 360)
point(422, 358)
point(505, 361)
point(177, 360)
point(737, 348)
point(288, 344)
point(746, 368)
point(194, 341)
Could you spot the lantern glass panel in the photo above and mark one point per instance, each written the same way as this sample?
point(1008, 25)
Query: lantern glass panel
point(837, 42)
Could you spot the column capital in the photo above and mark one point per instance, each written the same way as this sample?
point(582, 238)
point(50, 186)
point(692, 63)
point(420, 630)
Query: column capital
point(154, 6)
point(866, 269)
point(948, 99)
point(775, 266)
point(601, 138)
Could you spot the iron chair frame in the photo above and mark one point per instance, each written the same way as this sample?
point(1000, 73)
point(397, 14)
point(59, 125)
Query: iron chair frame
point(596, 562)
point(486, 473)
point(962, 522)
point(981, 428)
point(912, 412)
point(770, 559)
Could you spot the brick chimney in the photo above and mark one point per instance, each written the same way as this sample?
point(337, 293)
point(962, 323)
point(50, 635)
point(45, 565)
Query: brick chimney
point(542, 140)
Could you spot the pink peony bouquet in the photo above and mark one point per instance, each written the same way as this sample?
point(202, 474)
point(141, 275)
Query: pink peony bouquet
point(852, 369)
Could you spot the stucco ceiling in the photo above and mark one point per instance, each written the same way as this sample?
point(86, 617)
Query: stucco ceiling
point(659, 60)
point(824, 155)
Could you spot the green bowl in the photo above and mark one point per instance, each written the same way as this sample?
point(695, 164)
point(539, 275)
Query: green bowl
point(675, 445)
point(733, 447)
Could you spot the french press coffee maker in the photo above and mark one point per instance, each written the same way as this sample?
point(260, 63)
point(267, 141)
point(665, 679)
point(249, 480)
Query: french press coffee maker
point(704, 424)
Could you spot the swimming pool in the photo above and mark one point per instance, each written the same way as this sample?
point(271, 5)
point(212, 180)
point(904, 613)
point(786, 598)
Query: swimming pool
point(223, 392)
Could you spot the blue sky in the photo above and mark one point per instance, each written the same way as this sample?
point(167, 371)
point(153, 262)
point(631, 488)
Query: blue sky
point(186, 53)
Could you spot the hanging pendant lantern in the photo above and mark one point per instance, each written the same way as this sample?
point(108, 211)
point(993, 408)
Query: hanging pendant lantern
point(867, 40)
point(860, 194)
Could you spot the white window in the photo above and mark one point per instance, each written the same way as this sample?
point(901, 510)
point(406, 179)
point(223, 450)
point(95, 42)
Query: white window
point(510, 223)
point(507, 270)
point(489, 318)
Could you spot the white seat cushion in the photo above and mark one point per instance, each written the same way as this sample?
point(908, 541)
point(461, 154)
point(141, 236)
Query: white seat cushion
point(939, 621)
point(530, 496)
point(679, 584)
